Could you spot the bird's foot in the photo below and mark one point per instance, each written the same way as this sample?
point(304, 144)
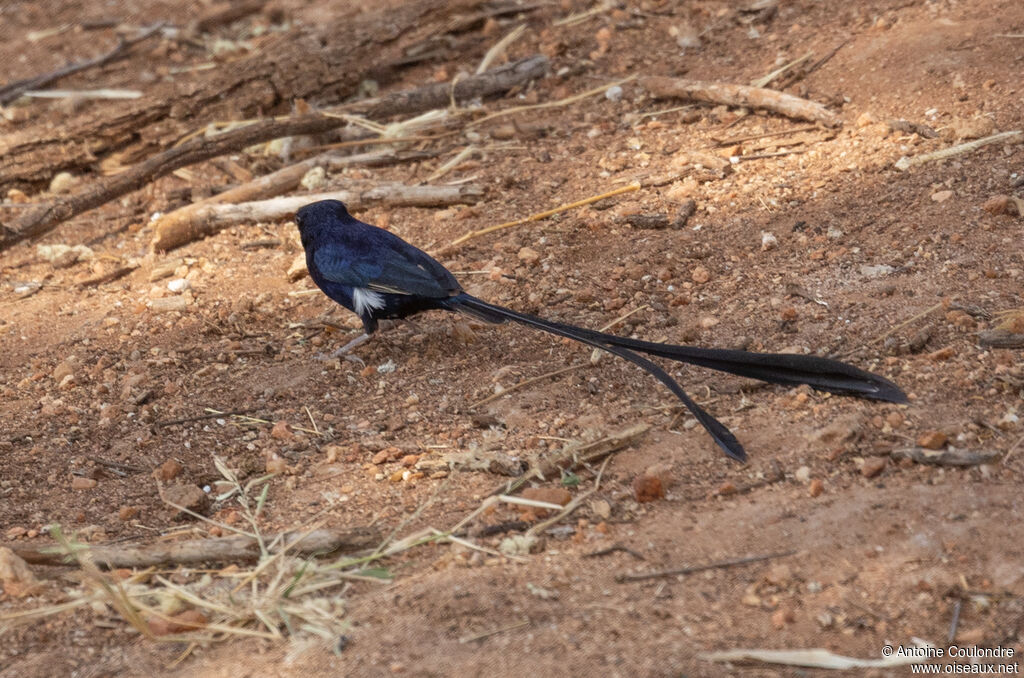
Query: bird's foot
point(345, 351)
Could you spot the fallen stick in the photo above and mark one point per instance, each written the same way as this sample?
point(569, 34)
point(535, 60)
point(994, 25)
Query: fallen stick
point(700, 568)
point(906, 163)
point(1000, 338)
point(740, 95)
point(209, 219)
point(12, 91)
point(45, 217)
point(222, 549)
point(270, 185)
point(946, 457)
point(576, 456)
point(540, 216)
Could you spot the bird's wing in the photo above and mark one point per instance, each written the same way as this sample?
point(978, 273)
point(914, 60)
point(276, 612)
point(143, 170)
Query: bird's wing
point(391, 271)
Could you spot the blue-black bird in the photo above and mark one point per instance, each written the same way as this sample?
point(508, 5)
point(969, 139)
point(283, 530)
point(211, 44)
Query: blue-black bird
point(377, 275)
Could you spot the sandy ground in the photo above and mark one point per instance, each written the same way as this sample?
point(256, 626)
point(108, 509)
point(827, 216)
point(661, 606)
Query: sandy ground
point(894, 271)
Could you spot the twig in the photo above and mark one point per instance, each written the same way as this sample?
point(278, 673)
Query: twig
point(551, 104)
point(527, 382)
point(576, 456)
point(740, 95)
point(800, 75)
point(765, 80)
point(892, 330)
point(539, 216)
point(612, 549)
point(499, 48)
point(213, 414)
point(223, 549)
point(754, 137)
point(13, 90)
point(946, 457)
point(267, 186)
point(46, 216)
point(906, 163)
point(700, 568)
point(117, 465)
point(494, 632)
point(210, 218)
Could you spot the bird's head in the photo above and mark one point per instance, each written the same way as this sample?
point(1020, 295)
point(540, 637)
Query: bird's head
point(318, 216)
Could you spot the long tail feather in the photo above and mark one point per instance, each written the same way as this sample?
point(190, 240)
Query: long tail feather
point(491, 313)
point(787, 369)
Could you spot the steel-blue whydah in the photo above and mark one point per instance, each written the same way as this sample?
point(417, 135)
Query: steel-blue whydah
point(377, 275)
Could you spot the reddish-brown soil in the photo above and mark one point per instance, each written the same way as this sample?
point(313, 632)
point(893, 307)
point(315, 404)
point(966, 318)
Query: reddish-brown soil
point(878, 560)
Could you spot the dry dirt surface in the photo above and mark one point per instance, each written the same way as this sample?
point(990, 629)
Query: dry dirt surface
point(124, 370)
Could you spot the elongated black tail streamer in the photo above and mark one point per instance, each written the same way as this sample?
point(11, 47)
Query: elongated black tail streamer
point(491, 313)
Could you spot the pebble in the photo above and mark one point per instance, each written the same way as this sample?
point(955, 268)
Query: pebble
point(528, 255)
point(276, 464)
point(768, 241)
point(548, 495)
point(782, 616)
point(64, 369)
point(63, 182)
point(315, 179)
point(999, 204)
point(942, 354)
point(297, 271)
point(816, 487)
point(613, 93)
point(932, 440)
point(169, 470)
point(700, 275)
point(975, 128)
point(726, 489)
point(282, 431)
point(189, 496)
point(15, 574)
point(803, 474)
point(178, 285)
point(82, 483)
point(126, 513)
point(521, 545)
point(942, 196)
point(872, 466)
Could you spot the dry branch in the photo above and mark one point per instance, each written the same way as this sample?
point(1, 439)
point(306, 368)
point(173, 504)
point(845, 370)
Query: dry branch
point(740, 95)
point(223, 549)
point(678, 571)
point(208, 219)
point(946, 457)
point(188, 218)
point(906, 163)
point(46, 216)
point(577, 456)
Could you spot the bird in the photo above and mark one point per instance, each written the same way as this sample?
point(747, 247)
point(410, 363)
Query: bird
point(377, 275)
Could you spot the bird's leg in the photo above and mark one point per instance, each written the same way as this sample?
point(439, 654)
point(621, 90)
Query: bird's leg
point(344, 351)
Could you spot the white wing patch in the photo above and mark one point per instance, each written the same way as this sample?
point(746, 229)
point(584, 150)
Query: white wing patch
point(366, 300)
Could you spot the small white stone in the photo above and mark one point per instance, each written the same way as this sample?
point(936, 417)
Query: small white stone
point(768, 241)
point(315, 179)
point(613, 93)
point(178, 285)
